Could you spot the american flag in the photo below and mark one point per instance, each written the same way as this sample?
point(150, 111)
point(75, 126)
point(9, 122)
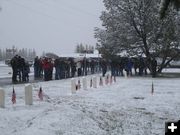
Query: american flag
point(40, 94)
point(100, 82)
point(107, 79)
point(91, 82)
point(13, 96)
point(79, 84)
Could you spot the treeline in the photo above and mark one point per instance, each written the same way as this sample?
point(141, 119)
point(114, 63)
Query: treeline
point(84, 48)
point(8, 53)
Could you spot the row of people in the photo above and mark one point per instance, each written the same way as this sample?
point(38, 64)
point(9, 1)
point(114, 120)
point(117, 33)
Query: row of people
point(66, 68)
point(140, 66)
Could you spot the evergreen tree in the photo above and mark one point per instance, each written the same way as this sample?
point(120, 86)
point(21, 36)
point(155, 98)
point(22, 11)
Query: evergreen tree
point(77, 48)
point(80, 48)
point(43, 54)
point(135, 27)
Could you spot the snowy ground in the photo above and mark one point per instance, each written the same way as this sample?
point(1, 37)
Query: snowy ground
point(126, 107)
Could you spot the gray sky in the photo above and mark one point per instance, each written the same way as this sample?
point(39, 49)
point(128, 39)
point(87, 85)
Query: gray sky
point(49, 25)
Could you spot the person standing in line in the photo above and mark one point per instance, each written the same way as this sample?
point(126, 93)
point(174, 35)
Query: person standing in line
point(79, 68)
point(73, 68)
point(57, 69)
point(26, 72)
point(36, 67)
point(141, 66)
point(129, 66)
point(104, 67)
point(14, 66)
point(92, 65)
point(154, 66)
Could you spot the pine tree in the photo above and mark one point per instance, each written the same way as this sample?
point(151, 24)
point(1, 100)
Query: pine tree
point(43, 54)
point(77, 48)
point(81, 48)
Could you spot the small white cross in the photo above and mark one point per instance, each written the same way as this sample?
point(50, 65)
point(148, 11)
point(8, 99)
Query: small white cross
point(172, 127)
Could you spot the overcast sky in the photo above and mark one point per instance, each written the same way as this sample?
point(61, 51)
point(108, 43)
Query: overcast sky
point(49, 25)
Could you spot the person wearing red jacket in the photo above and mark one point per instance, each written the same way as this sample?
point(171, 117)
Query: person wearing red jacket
point(46, 67)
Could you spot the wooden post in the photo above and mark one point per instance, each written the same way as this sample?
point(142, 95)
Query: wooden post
point(100, 81)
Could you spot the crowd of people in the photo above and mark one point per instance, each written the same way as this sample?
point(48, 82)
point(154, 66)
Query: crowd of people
point(71, 67)
point(64, 68)
point(140, 66)
point(20, 69)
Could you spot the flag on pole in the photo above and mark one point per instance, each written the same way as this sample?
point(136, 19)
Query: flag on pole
point(91, 82)
point(40, 94)
point(111, 80)
point(152, 89)
point(101, 81)
point(79, 84)
point(76, 86)
point(107, 79)
point(13, 96)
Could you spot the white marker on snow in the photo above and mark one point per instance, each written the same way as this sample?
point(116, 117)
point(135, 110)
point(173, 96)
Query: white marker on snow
point(84, 83)
point(28, 94)
point(94, 82)
point(2, 98)
point(73, 86)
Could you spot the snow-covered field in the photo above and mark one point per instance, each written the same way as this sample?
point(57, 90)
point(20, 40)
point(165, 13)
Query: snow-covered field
point(126, 107)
